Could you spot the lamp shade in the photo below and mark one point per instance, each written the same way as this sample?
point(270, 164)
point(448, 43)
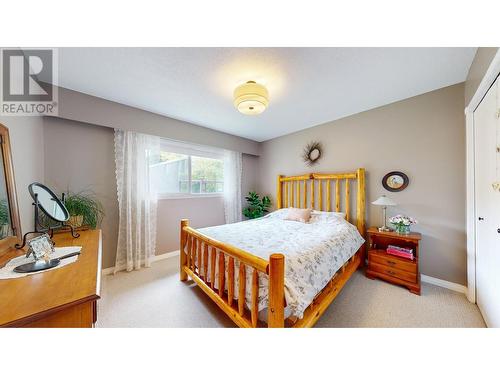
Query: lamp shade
point(384, 201)
point(251, 98)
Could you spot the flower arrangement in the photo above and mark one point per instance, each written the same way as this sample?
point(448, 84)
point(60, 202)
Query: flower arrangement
point(402, 223)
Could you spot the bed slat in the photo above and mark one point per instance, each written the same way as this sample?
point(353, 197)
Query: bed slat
point(305, 194)
point(286, 194)
point(205, 261)
point(200, 263)
point(328, 195)
point(213, 254)
point(230, 281)
point(193, 249)
point(312, 195)
point(337, 195)
point(222, 273)
point(242, 277)
point(320, 194)
point(347, 200)
point(299, 200)
point(255, 297)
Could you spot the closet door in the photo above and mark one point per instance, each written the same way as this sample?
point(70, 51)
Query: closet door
point(486, 127)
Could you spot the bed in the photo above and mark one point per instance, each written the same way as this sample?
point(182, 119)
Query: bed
point(292, 271)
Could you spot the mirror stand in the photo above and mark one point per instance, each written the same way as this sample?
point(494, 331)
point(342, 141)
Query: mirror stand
point(40, 229)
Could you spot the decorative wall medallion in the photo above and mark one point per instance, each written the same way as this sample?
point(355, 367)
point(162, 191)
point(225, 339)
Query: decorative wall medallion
point(312, 153)
point(395, 181)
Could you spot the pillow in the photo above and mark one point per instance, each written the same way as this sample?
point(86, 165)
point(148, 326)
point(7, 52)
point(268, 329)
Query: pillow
point(299, 214)
point(329, 214)
point(326, 217)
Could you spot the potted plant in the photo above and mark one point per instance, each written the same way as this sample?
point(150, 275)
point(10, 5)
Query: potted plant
point(257, 206)
point(84, 210)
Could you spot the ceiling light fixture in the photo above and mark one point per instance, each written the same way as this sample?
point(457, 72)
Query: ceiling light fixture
point(251, 98)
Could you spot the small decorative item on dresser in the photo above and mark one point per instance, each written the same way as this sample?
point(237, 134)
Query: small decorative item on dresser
point(40, 247)
point(384, 265)
point(402, 223)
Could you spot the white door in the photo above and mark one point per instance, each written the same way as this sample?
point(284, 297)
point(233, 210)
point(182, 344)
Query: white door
point(487, 143)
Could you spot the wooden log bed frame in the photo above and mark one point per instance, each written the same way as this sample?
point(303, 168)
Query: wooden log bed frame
point(199, 254)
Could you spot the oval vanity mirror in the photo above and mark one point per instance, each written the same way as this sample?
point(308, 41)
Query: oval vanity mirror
point(48, 202)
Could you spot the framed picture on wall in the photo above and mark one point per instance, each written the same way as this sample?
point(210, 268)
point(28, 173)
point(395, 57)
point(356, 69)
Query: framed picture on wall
point(395, 181)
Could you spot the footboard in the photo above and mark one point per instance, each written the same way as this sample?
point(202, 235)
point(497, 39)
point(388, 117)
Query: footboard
point(205, 260)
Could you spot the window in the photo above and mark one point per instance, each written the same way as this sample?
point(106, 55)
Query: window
point(188, 171)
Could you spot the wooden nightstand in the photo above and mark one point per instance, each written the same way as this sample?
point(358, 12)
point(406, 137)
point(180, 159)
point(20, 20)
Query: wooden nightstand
point(390, 267)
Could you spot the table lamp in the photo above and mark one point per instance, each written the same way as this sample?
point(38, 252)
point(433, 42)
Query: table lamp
point(384, 201)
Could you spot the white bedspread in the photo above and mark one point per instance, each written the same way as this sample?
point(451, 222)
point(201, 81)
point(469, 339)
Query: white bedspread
point(313, 252)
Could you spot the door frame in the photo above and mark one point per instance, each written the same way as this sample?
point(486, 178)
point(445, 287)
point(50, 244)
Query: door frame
point(488, 79)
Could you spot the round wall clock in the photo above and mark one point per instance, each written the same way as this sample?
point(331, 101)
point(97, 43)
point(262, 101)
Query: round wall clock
point(395, 181)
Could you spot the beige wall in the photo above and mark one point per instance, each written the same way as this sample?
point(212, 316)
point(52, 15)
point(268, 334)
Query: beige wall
point(478, 68)
point(76, 106)
point(424, 137)
point(80, 156)
point(27, 139)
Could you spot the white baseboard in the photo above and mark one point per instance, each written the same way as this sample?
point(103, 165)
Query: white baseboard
point(444, 284)
point(156, 258)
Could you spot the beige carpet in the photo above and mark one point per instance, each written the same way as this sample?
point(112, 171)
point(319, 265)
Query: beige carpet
point(154, 297)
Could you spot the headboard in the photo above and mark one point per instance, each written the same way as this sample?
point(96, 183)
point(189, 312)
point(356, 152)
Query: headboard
point(315, 190)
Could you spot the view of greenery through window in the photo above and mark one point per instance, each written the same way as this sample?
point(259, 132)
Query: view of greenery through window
point(171, 174)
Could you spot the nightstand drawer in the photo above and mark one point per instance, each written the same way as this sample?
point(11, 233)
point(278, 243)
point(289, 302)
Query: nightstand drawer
point(391, 261)
point(394, 272)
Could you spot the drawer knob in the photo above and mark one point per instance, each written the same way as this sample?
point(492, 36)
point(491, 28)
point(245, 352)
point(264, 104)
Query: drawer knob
point(391, 272)
point(391, 262)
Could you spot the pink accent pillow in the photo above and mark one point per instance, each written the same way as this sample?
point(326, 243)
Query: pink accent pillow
point(299, 214)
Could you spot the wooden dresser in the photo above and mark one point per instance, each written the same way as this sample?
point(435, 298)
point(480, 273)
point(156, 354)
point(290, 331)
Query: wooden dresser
point(391, 268)
point(65, 297)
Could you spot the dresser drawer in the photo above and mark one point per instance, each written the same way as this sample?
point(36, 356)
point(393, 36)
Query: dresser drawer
point(391, 261)
point(394, 272)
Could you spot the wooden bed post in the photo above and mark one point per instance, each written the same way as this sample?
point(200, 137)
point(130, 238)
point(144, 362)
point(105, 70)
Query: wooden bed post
point(183, 258)
point(276, 308)
point(279, 202)
point(360, 210)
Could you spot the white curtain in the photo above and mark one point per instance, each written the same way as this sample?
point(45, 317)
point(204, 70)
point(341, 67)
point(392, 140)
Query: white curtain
point(137, 199)
point(232, 186)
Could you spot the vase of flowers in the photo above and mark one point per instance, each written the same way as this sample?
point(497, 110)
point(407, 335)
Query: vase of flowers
point(402, 223)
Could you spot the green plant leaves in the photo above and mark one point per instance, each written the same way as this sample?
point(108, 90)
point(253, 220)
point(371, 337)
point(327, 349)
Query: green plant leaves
point(257, 207)
point(86, 205)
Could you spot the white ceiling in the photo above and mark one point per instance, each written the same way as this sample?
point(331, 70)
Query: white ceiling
point(307, 86)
